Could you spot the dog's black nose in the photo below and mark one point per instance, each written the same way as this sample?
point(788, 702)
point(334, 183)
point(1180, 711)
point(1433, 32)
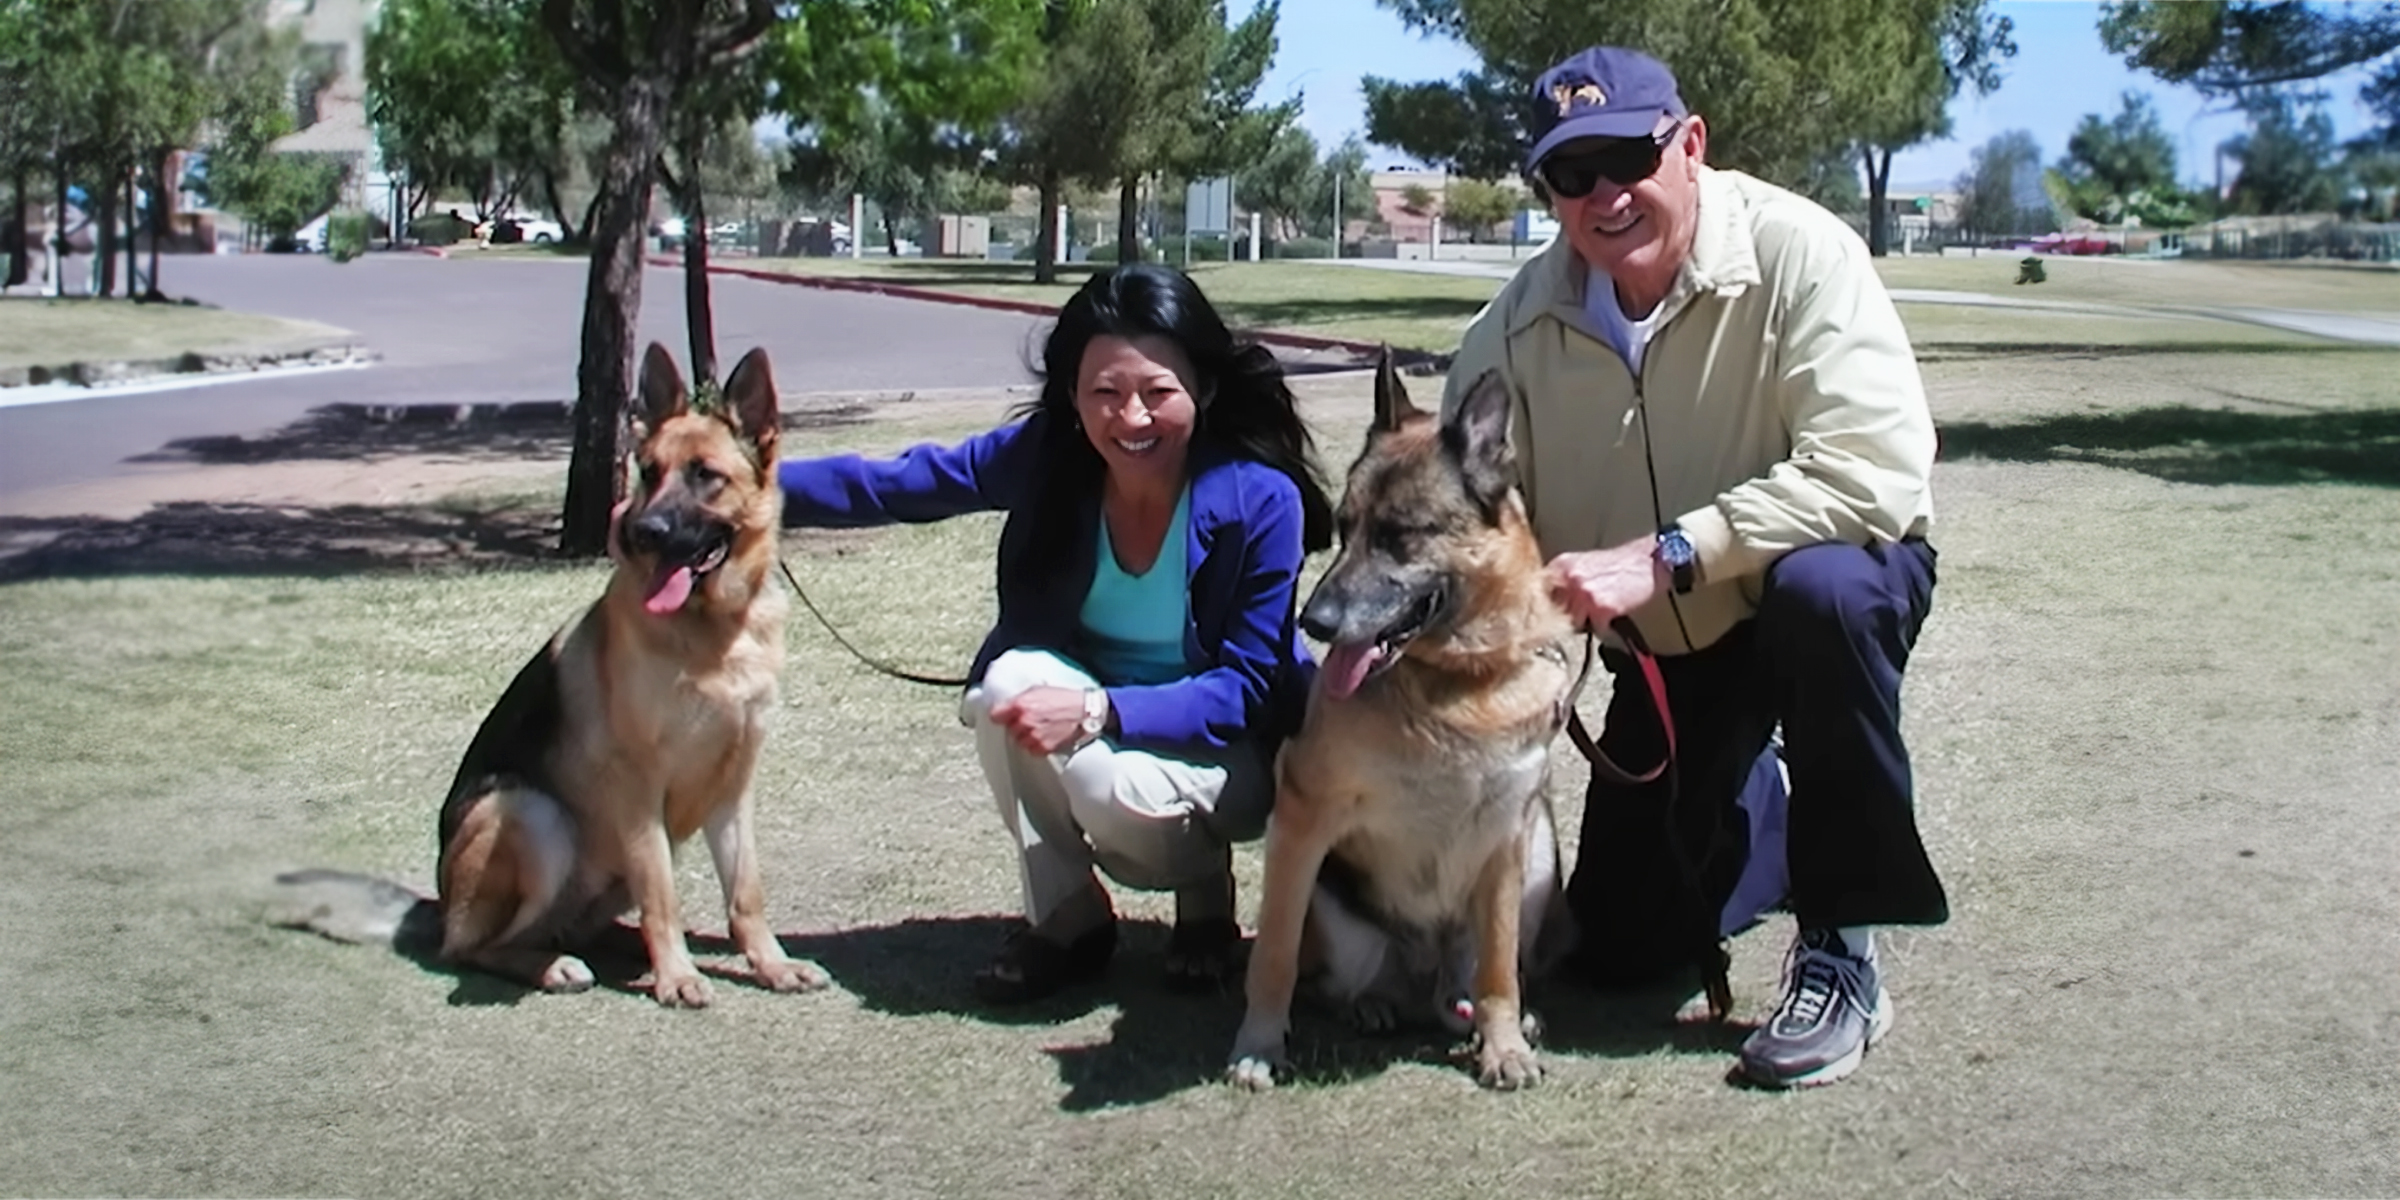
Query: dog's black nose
point(1322, 617)
point(651, 529)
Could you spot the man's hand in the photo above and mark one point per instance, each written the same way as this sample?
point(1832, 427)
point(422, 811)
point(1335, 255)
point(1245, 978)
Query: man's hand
point(1043, 720)
point(1598, 586)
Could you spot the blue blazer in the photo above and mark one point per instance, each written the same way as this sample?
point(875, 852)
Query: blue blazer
point(1248, 669)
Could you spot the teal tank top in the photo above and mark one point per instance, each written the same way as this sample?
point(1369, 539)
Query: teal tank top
point(1133, 624)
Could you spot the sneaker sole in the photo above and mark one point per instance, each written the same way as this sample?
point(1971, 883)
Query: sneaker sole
point(1879, 1023)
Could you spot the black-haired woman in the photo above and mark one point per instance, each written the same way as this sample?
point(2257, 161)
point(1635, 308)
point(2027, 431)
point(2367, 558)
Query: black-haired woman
point(1161, 495)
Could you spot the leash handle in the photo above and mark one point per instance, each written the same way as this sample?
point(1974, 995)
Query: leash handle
point(861, 655)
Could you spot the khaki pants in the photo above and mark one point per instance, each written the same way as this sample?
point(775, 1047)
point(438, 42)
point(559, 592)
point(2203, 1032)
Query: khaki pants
point(1150, 820)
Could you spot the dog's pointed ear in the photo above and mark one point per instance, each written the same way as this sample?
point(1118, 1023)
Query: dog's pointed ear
point(1391, 398)
point(663, 394)
point(750, 399)
point(1477, 434)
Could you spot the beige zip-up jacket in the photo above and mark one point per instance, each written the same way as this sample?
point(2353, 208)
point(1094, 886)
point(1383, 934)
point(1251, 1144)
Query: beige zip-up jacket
point(1783, 404)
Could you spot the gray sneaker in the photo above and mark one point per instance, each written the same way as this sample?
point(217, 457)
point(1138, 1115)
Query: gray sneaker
point(1833, 1009)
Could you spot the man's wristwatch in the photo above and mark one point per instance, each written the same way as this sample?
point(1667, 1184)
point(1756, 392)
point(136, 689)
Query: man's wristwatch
point(1676, 555)
point(1095, 717)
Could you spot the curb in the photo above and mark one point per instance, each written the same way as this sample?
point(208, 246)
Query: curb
point(1415, 361)
point(191, 362)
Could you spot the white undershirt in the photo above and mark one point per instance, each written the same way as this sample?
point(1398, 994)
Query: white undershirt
point(1630, 337)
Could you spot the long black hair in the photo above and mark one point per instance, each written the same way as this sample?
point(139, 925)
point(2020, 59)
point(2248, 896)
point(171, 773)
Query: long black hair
point(1244, 406)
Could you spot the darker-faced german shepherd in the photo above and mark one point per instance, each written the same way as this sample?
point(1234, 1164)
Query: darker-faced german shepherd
point(1412, 863)
point(635, 727)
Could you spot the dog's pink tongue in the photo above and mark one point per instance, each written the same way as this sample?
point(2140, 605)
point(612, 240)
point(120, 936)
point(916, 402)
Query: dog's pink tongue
point(1346, 667)
point(668, 590)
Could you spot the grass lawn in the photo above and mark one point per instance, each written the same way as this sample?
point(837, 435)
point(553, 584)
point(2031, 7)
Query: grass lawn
point(2155, 723)
point(43, 332)
point(1424, 312)
point(1429, 312)
point(2163, 283)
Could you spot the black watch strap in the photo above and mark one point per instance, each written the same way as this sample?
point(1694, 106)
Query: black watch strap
point(1675, 553)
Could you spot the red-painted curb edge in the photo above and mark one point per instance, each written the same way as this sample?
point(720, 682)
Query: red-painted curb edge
point(852, 283)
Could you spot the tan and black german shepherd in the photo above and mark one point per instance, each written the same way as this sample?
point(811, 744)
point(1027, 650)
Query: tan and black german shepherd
point(1412, 862)
point(636, 726)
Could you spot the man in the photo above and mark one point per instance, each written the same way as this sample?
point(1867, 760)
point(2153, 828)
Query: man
point(1722, 436)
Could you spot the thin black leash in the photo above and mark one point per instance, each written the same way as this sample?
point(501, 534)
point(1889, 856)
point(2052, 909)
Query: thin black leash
point(871, 661)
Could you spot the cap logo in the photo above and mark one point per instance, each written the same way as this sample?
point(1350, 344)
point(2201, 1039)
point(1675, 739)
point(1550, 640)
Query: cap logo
point(1582, 93)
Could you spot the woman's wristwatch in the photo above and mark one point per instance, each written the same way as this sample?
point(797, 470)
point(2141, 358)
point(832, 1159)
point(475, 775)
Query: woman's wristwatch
point(1095, 717)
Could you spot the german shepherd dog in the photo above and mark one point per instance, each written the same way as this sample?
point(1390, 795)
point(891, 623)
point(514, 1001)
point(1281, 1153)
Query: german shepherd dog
point(1412, 862)
point(634, 727)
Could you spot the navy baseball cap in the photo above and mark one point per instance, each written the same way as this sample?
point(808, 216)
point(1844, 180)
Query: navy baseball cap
point(1605, 91)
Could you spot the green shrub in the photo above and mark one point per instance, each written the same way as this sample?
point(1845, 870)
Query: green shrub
point(346, 235)
point(439, 229)
point(1305, 247)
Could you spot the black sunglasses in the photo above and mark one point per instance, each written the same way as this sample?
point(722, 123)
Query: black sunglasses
point(1621, 161)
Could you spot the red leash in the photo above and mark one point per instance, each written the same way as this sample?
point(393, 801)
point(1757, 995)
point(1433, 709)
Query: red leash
point(1623, 627)
point(1716, 967)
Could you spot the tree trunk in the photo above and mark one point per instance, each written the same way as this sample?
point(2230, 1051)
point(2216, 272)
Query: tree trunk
point(1879, 216)
point(1129, 219)
point(891, 232)
point(550, 195)
point(612, 300)
point(1045, 239)
point(133, 224)
point(699, 318)
point(58, 229)
point(104, 234)
point(20, 247)
point(591, 215)
point(159, 190)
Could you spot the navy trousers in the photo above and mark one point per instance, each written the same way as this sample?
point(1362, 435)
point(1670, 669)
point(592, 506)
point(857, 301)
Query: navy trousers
point(1823, 658)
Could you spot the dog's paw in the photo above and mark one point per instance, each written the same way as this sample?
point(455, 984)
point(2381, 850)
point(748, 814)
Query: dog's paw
point(1257, 1051)
point(1250, 1073)
point(681, 990)
point(791, 975)
point(566, 973)
point(1507, 1064)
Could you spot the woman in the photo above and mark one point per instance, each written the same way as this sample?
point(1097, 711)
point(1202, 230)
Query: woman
point(1160, 498)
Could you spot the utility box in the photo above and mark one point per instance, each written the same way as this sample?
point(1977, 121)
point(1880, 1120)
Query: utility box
point(952, 235)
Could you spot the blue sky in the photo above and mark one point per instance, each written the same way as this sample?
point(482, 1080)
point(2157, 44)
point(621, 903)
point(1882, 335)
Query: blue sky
point(2059, 74)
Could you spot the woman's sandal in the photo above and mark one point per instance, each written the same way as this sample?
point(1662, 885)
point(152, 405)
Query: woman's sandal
point(1203, 955)
point(1030, 966)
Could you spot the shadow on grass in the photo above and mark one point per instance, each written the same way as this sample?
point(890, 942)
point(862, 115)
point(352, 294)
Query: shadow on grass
point(2192, 445)
point(235, 538)
point(1933, 350)
point(1163, 1042)
point(248, 539)
point(476, 432)
point(1309, 313)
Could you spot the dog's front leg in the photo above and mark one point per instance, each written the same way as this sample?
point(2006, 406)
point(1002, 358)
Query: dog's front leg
point(1297, 840)
point(1504, 1059)
point(650, 875)
point(734, 845)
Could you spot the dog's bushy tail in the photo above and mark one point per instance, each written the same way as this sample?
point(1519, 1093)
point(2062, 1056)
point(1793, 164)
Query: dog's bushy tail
point(349, 907)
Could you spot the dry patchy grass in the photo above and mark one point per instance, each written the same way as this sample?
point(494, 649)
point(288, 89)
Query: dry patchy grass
point(2154, 717)
point(41, 332)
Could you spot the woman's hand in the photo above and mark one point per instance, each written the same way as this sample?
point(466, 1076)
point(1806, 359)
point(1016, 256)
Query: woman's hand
point(1043, 720)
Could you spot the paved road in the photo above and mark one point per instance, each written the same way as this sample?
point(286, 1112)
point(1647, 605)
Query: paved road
point(460, 331)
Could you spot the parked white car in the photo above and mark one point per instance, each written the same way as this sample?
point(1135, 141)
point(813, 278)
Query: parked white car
point(540, 231)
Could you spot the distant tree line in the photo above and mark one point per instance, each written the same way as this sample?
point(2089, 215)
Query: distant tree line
point(97, 96)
